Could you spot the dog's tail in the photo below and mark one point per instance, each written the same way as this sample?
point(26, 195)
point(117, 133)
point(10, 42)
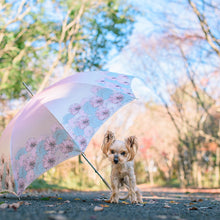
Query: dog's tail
point(138, 194)
point(124, 197)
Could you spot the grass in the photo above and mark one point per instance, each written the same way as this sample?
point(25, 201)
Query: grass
point(42, 184)
point(68, 183)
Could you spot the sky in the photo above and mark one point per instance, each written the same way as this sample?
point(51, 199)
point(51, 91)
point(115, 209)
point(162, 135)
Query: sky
point(152, 21)
point(156, 18)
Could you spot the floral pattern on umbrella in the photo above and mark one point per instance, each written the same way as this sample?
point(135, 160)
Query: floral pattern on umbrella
point(44, 152)
point(83, 119)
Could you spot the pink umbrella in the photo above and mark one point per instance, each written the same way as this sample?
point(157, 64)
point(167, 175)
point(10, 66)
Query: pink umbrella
point(57, 124)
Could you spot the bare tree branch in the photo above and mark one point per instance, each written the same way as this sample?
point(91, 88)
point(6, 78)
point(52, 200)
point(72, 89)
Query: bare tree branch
point(211, 39)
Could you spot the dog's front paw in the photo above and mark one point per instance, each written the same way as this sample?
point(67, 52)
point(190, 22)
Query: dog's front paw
point(134, 201)
point(140, 200)
point(114, 199)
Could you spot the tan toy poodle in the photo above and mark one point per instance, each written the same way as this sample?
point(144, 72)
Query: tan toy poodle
point(121, 155)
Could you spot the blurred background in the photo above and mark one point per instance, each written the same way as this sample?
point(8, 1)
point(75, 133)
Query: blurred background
point(172, 45)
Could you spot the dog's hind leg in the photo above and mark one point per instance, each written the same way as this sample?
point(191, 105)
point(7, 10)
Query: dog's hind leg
point(139, 195)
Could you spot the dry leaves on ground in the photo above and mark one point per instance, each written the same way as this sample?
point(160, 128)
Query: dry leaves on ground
point(104, 206)
point(126, 203)
point(98, 208)
point(67, 201)
point(167, 206)
point(14, 206)
point(193, 208)
point(174, 202)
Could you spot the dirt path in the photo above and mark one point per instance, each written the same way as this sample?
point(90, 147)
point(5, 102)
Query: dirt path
point(158, 204)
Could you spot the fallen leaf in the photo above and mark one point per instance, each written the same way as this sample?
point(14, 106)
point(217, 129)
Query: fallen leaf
point(161, 216)
point(104, 206)
point(57, 217)
point(50, 212)
point(49, 205)
point(4, 206)
point(66, 201)
point(98, 208)
point(208, 207)
point(174, 202)
point(126, 203)
point(59, 198)
point(107, 201)
point(200, 200)
point(76, 199)
point(144, 202)
point(194, 200)
point(204, 207)
point(193, 208)
point(15, 205)
point(152, 201)
point(97, 200)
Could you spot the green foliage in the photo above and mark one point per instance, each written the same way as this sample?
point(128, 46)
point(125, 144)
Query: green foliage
point(40, 183)
point(69, 175)
point(30, 45)
point(140, 172)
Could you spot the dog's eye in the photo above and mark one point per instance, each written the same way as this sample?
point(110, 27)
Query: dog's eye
point(123, 153)
point(112, 151)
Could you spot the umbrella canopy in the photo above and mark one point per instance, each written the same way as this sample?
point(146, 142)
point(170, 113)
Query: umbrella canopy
point(57, 124)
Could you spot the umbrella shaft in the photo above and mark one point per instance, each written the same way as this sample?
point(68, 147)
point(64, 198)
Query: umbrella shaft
point(96, 170)
point(30, 92)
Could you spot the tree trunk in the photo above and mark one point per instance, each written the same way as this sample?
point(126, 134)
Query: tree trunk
point(217, 167)
point(182, 178)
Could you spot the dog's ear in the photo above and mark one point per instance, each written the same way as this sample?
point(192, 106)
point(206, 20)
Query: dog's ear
point(108, 140)
point(132, 146)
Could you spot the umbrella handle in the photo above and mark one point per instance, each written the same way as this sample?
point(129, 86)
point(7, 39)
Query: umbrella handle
point(96, 170)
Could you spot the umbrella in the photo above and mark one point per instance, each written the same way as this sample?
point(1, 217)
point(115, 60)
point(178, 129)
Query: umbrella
point(58, 123)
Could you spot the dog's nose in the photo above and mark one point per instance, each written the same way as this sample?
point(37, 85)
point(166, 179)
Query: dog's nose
point(116, 159)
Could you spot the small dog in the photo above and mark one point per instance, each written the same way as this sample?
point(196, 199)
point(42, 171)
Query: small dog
point(121, 154)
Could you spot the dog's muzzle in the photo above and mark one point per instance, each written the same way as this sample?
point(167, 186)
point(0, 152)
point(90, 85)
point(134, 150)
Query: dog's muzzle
point(116, 159)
